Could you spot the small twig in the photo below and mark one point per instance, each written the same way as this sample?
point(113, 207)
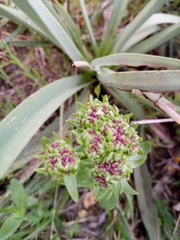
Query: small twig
point(149, 121)
point(53, 212)
point(176, 227)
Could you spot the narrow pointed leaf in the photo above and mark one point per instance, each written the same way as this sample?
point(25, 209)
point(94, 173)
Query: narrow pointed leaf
point(146, 205)
point(124, 226)
point(115, 20)
point(23, 122)
point(70, 25)
point(40, 14)
point(149, 27)
point(19, 17)
point(152, 81)
point(87, 22)
point(156, 40)
point(127, 188)
point(136, 60)
point(152, 7)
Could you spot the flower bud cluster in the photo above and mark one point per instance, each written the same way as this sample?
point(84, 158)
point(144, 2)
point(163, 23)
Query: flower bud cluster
point(108, 140)
point(61, 158)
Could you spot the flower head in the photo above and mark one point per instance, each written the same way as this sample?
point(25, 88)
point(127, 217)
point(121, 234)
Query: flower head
point(108, 140)
point(61, 158)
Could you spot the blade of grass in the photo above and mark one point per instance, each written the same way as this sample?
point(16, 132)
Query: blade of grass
point(26, 43)
point(136, 60)
point(157, 40)
point(150, 8)
point(152, 81)
point(125, 228)
point(88, 23)
point(24, 121)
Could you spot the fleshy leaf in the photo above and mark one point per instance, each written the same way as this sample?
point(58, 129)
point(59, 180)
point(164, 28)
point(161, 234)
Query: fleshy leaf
point(71, 184)
point(109, 199)
point(138, 160)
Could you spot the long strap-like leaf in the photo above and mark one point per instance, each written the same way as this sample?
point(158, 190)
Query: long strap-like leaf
point(23, 122)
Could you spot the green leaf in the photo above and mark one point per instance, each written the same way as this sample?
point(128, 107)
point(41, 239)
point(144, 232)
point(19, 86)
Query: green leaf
point(41, 15)
point(84, 177)
point(156, 81)
point(41, 170)
point(45, 142)
point(156, 40)
point(152, 7)
point(11, 224)
point(127, 188)
point(109, 199)
point(138, 160)
point(97, 90)
point(23, 122)
point(114, 22)
point(88, 23)
point(136, 60)
point(71, 184)
point(32, 201)
point(18, 195)
point(19, 17)
point(149, 27)
point(56, 137)
point(73, 30)
point(127, 233)
point(145, 202)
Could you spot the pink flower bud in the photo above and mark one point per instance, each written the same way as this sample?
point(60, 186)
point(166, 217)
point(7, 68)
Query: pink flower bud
point(113, 165)
point(66, 150)
point(71, 159)
point(64, 158)
point(53, 145)
point(53, 161)
point(112, 172)
point(91, 131)
point(64, 164)
point(101, 165)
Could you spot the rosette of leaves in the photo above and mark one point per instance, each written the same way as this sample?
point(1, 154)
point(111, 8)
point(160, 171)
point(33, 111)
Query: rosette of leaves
point(61, 161)
point(109, 149)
